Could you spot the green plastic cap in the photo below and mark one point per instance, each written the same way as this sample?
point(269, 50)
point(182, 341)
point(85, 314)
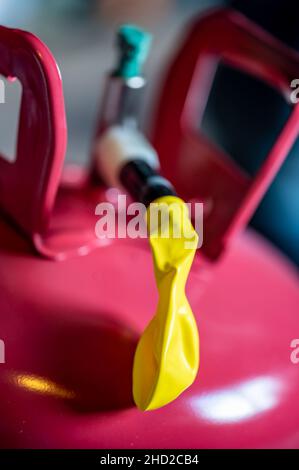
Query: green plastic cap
point(134, 45)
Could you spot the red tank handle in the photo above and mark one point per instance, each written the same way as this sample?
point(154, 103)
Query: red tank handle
point(28, 186)
point(197, 168)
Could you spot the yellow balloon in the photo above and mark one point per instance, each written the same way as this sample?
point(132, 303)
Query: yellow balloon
point(167, 355)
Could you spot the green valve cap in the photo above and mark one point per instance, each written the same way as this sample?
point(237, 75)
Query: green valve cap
point(134, 45)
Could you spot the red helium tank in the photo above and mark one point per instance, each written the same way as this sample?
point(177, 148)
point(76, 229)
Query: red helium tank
point(71, 306)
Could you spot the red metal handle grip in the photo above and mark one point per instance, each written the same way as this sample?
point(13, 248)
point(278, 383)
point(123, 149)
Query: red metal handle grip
point(196, 167)
point(28, 186)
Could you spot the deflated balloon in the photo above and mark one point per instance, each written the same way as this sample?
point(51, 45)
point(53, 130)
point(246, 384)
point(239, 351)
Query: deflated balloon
point(167, 355)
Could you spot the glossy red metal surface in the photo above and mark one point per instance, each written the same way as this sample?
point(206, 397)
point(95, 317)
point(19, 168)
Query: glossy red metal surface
point(70, 331)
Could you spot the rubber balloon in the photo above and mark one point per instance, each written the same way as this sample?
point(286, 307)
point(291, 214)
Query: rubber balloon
point(167, 355)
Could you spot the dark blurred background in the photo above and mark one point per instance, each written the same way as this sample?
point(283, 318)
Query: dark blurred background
point(243, 115)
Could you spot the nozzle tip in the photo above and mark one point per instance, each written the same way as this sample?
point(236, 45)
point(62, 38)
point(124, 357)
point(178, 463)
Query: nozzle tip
point(134, 45)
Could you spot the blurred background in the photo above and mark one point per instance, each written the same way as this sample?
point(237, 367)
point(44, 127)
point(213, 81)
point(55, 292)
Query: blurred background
point(243, 115)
